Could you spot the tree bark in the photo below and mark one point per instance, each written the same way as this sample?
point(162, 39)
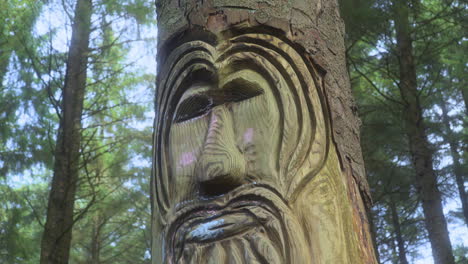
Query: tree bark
point(316, 30)
point(57, 235)
point(421, 153)
point(398, 234)
point(457, 167)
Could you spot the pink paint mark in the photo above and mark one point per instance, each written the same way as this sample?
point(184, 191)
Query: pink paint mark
point(186, 159)
point(248, 135)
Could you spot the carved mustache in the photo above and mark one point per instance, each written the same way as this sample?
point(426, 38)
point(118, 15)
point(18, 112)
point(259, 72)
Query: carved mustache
point(250, 217)
point(249, 248)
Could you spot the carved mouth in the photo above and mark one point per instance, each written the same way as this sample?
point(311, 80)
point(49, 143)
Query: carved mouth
point(219, 227)
point(246, 208)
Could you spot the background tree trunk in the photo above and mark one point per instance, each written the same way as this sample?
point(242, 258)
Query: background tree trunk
point(457, 167)
point(95, 245)
point(465, 98)
point(4, 60)
point(57, 235)
point(399, 237)
point(421, 153)
point(373, 230)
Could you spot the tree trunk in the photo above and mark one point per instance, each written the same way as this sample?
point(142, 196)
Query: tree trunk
point(373, 231)
point(4, 62)
point(393, 246)
point(421, 153)
point(96, 239)
point(399, 236)
point(5, 52)
point(205, 42)
point(57, 235)
point(464, 93)
point(457, 168)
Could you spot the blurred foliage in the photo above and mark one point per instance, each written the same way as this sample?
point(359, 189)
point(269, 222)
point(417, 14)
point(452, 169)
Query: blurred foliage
point(112, 211)
point(440, 48)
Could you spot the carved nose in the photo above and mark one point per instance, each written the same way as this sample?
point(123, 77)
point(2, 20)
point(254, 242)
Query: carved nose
point(221, 166)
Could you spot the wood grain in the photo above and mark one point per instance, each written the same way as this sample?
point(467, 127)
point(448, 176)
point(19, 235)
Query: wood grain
point(245, 170)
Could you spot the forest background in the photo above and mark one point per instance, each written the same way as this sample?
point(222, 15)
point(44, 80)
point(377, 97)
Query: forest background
point(111, 211)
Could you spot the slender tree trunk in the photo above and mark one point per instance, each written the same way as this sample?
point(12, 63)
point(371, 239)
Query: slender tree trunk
point(5, 53)
point(96, 240)
point(373, 231)
point(57, 235)
point(464, 93)
point(399, 236)
point(393, 246)
point(457, 168)
point(421, 153)
point(4, 61)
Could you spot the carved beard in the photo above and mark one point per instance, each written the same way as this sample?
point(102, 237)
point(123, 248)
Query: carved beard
point(251, 247)
point(251, 225)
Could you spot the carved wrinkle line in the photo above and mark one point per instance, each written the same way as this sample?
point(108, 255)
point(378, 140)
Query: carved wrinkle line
point(290, 76)
point(251, 60)
point(309, 91)
point(163, 127)
point(318, 108)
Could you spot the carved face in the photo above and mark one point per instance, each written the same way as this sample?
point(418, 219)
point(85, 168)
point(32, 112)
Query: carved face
point(240, 131)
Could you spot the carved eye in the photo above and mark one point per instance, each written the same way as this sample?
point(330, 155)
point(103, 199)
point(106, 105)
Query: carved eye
point(239, 91)
point(194, 106)
point(201, 103)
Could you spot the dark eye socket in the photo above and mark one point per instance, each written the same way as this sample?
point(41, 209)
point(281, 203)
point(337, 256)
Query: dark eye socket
point(200, 104)
point(192, 107)
point(240, 90)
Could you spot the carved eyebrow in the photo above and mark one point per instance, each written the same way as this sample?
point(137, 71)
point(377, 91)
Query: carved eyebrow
point(201, 102)
point(238, 90)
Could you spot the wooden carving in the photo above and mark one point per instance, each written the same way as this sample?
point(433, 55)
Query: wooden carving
point(244, 167)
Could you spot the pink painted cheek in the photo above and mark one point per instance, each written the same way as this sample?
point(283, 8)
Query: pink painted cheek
point(248, 135)
point(186, 159)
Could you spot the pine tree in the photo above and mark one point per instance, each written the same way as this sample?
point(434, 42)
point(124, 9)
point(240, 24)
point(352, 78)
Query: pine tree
point(56, 241)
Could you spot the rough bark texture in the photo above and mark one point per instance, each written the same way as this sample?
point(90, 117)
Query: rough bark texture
point(421, 153)
point(315, 28)
point(57, 235)
point(457, 167)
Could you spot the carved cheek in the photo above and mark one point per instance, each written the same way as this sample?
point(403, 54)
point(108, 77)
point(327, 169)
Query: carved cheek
point(186, 143)
point(186, 159)
point(256, 122)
